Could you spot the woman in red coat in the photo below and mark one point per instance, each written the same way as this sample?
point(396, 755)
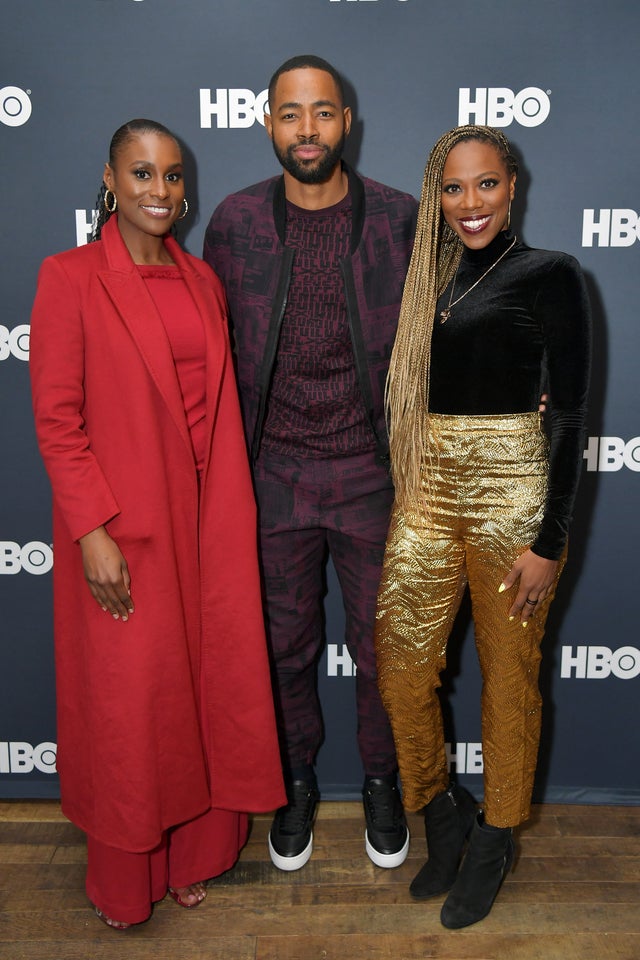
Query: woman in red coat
point(166, 729)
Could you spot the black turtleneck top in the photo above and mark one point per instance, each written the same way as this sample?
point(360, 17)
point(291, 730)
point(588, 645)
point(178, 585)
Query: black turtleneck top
point(524, 328)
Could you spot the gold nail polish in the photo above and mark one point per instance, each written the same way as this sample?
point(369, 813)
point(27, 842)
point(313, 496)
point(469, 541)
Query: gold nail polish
point(501, 588)
point(524, 623)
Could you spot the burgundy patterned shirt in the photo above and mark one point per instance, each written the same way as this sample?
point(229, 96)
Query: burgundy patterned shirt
point(315, 406)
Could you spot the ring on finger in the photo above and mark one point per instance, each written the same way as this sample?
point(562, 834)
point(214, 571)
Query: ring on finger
point(531, 602)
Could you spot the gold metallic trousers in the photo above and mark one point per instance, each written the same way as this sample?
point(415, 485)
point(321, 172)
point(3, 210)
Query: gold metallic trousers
point(485, 495)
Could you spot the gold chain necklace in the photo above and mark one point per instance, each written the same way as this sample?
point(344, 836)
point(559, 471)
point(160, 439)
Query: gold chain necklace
point(446, 313)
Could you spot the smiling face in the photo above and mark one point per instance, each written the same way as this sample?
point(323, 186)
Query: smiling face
point(146, 177)
point(476, 192)
point(308, 124)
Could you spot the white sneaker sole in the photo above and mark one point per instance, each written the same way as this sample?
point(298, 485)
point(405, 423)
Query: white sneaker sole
point(291, 863)
point(386, 860)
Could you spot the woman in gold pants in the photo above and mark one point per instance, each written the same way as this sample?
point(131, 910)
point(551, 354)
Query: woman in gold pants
point(481, 498)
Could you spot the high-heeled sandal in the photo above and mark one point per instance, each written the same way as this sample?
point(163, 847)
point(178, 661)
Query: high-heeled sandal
point(183, 903)
point(113, 924)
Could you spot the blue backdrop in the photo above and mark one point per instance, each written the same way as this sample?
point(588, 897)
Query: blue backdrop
point(562, 79)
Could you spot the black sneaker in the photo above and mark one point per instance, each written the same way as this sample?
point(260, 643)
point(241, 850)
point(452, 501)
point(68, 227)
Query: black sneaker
point(291, 835)
point(387, 834)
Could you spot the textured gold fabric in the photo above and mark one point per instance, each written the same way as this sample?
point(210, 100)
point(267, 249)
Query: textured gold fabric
point(488, 481)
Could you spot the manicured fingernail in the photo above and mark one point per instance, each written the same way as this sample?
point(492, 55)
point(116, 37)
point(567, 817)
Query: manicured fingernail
point(513, 617)
point(524, 623)
point(501, 588)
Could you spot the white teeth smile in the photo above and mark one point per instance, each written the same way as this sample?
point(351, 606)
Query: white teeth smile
point(157, 209)
point(475, 225)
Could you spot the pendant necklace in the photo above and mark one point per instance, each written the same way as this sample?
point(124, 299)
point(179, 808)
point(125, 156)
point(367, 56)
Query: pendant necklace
point(446, 313)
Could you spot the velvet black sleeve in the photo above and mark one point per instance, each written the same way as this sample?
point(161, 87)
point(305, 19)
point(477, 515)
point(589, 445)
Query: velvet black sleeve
point(561, 307)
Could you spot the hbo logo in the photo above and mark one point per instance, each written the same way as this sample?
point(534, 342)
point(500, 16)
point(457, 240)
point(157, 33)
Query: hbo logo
point(232, 108)
point(85, 222)
point(34, 557)
point(339, 662)
point(613, 228)
point(612, 453)
point(465, 757)
point(22, 757)
point(15, 106)
point(499, 106)
point(15, 343)
point(598, 663)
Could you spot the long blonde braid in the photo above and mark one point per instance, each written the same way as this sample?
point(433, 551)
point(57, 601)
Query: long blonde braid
point(436, 255)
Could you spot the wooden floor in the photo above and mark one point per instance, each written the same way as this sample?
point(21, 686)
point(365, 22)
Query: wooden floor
point(574, 894)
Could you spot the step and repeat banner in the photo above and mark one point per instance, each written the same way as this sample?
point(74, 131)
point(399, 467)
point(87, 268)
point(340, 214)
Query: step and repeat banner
point(560, 78)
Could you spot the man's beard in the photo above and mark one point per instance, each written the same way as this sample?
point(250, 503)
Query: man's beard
point(310, 171)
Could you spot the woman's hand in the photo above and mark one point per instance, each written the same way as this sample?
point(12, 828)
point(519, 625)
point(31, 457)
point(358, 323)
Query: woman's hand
point(537, 576)
point(107, 574)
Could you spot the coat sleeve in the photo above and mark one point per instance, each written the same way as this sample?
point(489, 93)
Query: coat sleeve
point(57, 370)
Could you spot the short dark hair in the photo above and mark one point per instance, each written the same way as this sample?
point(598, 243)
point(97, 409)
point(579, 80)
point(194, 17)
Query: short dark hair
point(133, 128)
point(302, 62)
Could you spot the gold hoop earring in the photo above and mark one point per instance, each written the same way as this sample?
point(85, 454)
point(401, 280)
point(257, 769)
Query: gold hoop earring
point(186, 209)
point(114, 205)
point(508, 216)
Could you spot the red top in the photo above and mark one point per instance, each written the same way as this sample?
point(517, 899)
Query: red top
point(183, 325)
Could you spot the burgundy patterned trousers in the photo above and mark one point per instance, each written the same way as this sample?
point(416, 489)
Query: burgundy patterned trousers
point(309, 508)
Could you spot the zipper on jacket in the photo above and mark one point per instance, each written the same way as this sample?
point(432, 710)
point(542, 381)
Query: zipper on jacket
point(273, 337)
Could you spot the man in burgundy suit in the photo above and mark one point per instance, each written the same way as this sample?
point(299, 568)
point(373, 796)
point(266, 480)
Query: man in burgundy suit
point(313, 264)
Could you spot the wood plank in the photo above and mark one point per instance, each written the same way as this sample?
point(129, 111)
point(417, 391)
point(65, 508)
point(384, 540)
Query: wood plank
point(40, 832)
point(508, 917)
point(17, 810)
point(32, 876)
point(390, 947)
point(24, 891)
point(601, 821)
point(453, 946)
point(27, 852)
point(127, 945)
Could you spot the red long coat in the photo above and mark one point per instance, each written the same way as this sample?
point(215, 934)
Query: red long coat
point(170, 713)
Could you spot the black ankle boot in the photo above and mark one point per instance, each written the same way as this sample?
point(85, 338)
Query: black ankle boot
point(488, 860)
point(448, 820)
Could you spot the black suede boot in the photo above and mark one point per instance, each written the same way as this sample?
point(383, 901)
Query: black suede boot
point(448, 820)
point(488, 860)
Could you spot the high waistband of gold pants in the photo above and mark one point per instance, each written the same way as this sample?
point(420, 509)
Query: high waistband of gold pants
point(484, 423)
